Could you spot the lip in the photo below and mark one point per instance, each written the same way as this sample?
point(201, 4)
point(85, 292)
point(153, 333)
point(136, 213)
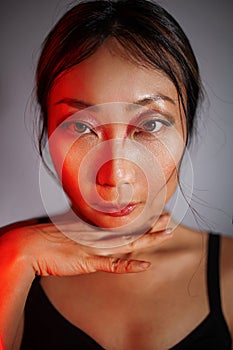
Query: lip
point(123, 212)
point(115, 212)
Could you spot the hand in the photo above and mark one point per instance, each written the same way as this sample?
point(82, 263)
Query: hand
point(49, 252)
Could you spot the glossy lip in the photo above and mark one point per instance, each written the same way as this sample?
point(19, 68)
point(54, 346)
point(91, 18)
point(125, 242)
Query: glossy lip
point(125, 211)
point(115, 212)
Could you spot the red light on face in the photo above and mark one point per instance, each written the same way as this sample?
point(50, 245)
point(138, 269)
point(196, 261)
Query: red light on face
point(1, 343)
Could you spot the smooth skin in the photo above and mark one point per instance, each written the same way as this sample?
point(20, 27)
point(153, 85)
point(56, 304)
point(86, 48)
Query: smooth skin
point(124, 309)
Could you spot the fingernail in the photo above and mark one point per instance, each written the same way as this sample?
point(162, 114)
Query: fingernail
point(168, 231)
point(144, 265)
point(165, 217)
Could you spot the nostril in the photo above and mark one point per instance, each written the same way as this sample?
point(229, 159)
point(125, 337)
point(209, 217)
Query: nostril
point(115, 172)
point(120, 195)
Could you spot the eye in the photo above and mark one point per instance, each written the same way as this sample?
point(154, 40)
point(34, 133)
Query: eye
point(151, 126)
point(76, 127)
point(81, 128)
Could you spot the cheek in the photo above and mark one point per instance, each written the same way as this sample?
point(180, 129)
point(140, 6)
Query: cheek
point(168, 153)
point(170, 169)
point(170, 162)
point(69, 168)
point(67, 155)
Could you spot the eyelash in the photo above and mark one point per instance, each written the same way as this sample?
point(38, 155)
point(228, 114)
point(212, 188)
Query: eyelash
point(87, 129)
point(153, 122)
point(69, 124)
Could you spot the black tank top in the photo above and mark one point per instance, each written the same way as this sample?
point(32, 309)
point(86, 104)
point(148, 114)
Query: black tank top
point(46, 329)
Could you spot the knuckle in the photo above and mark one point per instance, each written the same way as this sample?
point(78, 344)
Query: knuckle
point(127, 265)
point(132, 245)
point(115, 265)
point(120, 266)
point(87, 265)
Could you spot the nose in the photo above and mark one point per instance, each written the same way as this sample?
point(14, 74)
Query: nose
point(115, 172)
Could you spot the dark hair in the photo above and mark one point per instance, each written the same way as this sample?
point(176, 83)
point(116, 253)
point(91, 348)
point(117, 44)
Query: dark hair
point(144, 32)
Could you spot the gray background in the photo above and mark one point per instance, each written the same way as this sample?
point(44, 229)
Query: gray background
point(209, 26)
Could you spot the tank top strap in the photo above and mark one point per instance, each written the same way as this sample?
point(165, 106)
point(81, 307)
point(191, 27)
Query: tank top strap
point(213, 273)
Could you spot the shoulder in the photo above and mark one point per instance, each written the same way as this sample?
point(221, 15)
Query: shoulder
point(23, 223)
point(227, 258)
point(227, 279)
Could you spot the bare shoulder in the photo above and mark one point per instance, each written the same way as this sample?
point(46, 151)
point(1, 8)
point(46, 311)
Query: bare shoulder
point(227, 256)
point(19, 335)
point(23, 223)
point(227, 279)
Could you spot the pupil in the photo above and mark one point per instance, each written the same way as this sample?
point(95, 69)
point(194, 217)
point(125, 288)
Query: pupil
point(149, 126)
point(80, 127)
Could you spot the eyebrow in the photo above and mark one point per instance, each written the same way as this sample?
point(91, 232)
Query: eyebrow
point(73, 102)
point(154, 98)
point(145, 101)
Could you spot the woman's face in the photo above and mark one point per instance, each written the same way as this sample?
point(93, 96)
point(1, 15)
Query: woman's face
point(116, 137)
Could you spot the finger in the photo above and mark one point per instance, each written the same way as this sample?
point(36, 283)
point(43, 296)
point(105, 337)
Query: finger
point(149, 239)
point(162, 222)
point(116, 239)
point(115, 265)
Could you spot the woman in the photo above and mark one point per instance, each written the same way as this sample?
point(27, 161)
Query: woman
point(118, 87)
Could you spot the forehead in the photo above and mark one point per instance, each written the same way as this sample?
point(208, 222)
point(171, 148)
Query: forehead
point(107, 77)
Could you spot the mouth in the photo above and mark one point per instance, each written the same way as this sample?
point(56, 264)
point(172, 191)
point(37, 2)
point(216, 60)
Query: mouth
point(117, 211)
